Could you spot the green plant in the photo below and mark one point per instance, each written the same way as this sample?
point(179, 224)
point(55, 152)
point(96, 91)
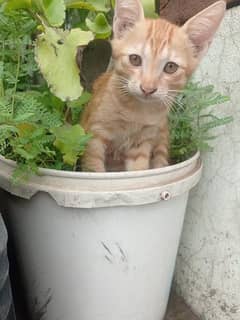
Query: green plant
point(192, 120)
point(41, 97)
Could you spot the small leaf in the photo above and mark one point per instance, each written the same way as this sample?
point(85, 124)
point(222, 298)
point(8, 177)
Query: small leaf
point(55, 53)
point(216, 123)
point(24, 154)
point(8, 128)
point(54, 11)
point(23, 171)
point(23, 117)
point(99, 26)
point(77, 106)
point(25, 129)
point(71, 141)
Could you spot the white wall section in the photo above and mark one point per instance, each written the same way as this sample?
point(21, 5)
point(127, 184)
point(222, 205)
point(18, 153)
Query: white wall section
point(208, 265)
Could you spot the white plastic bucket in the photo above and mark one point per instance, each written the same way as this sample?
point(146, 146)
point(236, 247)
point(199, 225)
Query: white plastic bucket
point(99, 246)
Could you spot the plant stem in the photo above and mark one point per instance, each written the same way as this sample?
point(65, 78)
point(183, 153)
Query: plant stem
point(112, 4)
point(68, 115)
point(16, 80)
point(1, 88)
point(67, 24)
point(157, 6)
point(37, 17)
point(2, 92)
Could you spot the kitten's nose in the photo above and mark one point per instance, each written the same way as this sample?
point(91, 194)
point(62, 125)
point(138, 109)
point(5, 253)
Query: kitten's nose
point(147, 90)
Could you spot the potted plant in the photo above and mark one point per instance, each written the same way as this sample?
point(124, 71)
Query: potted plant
point(91, 245)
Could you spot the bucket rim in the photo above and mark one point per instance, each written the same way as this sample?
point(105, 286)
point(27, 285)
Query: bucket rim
point(109, 175)
point(94, 190)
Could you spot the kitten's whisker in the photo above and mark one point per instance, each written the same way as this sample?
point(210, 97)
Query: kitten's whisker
point(120, 83)
point(178, 91)
point(175, 102)
point(179, 104)
point(167, 102)
point(122, 90)
point(121, 79)
point(171, 103)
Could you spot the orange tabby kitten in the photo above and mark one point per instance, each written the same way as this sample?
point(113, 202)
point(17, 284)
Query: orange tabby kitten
point(152, 60)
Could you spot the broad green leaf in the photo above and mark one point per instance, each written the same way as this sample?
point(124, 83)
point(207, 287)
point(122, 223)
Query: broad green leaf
point(76, 4)
point(55, 53)
point(81, 102)
point(77, 106)
point(92, 5)
point(71, 142)
point(17, 4)
point(100, 5)
point(54, 11)
point(149, 8)
point(99, 26)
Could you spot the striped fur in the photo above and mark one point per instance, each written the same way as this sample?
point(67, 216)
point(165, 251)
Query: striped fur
point(129, 124)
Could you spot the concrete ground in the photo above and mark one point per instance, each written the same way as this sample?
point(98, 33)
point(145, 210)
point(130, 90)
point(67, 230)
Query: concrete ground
point(178, 310)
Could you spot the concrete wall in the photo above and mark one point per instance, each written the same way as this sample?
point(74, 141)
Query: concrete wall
point(208, 265)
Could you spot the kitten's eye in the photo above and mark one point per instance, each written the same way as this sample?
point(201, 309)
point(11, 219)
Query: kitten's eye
point(171, 67)
point(135, 60)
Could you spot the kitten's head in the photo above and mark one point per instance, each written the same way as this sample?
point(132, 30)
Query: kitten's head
point(154, 58)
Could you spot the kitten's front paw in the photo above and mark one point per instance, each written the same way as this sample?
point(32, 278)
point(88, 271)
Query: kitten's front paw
point(160, 157)
point(159, 163)
point(141, 163)
point(93, 167)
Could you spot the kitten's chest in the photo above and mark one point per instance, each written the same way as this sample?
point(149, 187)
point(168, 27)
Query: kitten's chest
point(131, 134)
point(131, 124)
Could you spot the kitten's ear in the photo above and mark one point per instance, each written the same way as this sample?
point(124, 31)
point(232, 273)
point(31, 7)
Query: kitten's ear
point(127, 14)
point(202, 27)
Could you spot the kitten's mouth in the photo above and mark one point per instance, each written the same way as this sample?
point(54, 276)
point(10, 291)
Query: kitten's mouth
point(145, 98)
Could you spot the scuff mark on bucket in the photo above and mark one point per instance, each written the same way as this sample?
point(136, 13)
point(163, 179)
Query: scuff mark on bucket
point(108, 250)
point(123, 255)
point(116, 255)
point(40, 309)
point(108, 259)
